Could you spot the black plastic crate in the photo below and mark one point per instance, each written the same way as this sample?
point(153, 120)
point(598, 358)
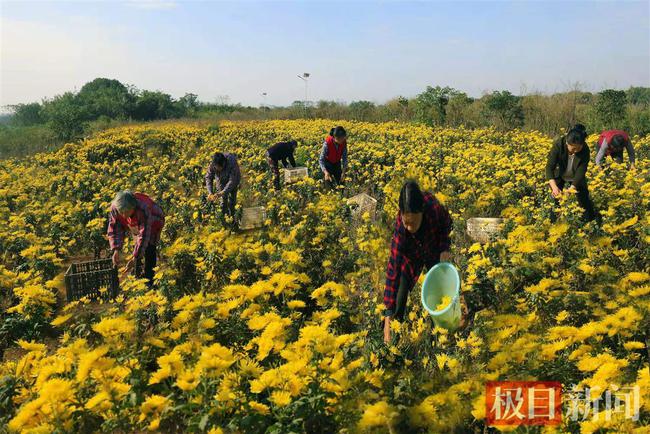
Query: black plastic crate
point(85, 279)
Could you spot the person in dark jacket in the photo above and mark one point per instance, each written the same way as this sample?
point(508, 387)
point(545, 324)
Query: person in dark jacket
point(566, 166)
point(333, 159)
point(612, 143)
point(139, 214)
point(420, 240)
point(281, 151)
point(225, 170)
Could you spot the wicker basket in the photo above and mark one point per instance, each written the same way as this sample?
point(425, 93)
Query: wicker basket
point(361, 204)
point(294, 174)
point(252, 218)
point(483, 229)
point(85, 279)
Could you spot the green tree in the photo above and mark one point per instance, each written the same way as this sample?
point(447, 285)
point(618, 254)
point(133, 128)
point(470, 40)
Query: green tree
point(456, 110)
point(430, 105)
point(106, 97)
point(362, 110)
point(154, 105)
point(638, 95)
point(611, 108)
point(503, 110)
point(27, 114)
point(188, 104)
point(66, 117)
point(394, 109)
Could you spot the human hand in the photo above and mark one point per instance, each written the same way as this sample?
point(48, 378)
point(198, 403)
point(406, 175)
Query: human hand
point(387, 330)
point(116, 258)
point(464, 320)
point(129, 265)
point(328, 177)
point(445, 256)
point(555, 191)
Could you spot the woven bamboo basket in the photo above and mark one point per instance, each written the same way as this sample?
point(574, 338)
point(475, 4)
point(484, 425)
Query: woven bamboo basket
point(294, 174)
point(361, 204)
point(483, 229)
point(252, 218)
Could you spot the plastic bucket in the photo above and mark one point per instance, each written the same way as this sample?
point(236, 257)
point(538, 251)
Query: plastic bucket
point(442, 279)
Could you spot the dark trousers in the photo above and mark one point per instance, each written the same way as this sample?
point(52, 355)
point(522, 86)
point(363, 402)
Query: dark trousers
point(335, 171)
point(407, 282)
point(618, 157)
point(228, 202)
point(582, 194)
point(150, 258)
point(402, 297)
point(275, 170)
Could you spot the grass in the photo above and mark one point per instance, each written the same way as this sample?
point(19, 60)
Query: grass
point(18, 142)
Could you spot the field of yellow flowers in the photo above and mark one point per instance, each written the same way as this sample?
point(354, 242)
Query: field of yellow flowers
point(278, 330)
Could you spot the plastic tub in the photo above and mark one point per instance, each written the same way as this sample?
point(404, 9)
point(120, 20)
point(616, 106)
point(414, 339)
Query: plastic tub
point(443, 279)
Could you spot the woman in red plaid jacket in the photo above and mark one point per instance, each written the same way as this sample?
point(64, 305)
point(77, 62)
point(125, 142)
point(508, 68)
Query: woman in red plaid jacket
point(420, 239)
point(139, 214)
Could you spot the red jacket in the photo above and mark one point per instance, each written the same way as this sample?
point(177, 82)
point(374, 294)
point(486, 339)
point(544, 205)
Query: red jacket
point(609, 135)
point(334, 155)
point(146, 223)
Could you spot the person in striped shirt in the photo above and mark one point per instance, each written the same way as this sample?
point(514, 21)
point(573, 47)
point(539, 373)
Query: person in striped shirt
point(139, 214)
point(420, 240)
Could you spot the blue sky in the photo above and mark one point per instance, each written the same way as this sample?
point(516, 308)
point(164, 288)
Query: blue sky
point(362, 50)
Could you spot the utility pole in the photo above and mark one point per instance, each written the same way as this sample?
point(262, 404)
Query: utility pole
point(304, 77)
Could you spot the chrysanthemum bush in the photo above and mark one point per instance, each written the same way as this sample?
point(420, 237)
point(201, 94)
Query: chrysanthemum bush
point(278, 330)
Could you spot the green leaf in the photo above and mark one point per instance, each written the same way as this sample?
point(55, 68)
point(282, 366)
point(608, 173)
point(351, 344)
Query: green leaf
point(204, 422)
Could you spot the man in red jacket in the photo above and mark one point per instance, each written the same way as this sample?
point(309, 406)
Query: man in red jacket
point(611, 143)
point(139, 214)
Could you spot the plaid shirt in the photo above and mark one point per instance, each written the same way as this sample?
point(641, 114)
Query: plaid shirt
point(146, 223)
point(227, 180)
point(409, 253)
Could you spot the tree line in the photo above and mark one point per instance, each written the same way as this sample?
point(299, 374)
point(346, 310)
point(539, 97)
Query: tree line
point(447, 107)
point(103, 102)
point(69, 115)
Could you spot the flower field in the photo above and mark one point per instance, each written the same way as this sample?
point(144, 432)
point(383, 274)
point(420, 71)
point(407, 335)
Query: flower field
point(279, 329)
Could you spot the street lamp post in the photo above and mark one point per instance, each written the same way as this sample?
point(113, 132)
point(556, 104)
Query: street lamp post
point(304, 77)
